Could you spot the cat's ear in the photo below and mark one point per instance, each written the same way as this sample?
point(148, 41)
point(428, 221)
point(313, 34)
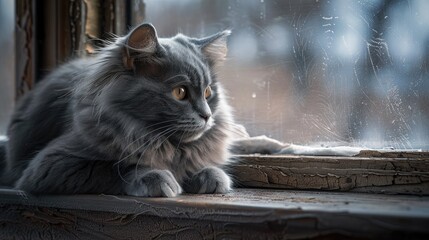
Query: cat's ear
point(214, 47)
point(141, 42)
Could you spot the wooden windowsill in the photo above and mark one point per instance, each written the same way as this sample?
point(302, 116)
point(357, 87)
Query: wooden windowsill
point(369, 172)
point(243, 213)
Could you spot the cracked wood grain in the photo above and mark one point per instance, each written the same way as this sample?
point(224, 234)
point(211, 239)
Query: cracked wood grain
point(25, 52)
point(396, 174)
point(64, 30)
point(97, 225)
point(242, 214)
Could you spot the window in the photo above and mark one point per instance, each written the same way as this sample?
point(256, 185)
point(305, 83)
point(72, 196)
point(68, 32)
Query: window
point(7, 63)
point(319, 72)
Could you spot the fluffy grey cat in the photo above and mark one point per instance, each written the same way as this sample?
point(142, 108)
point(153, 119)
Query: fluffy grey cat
point(145, 116)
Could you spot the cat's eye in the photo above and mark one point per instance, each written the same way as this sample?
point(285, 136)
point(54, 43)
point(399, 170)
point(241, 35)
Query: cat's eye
point(208, 92)
point(179, 93)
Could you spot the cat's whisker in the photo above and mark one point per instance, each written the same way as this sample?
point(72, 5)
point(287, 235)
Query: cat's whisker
point(158, 123)
point(175, 76)
point(120, 175)
point(139, 138)
point(132, 153)
point(180, 140)
point(142, 154)
point(150, 143)
point(152, 125)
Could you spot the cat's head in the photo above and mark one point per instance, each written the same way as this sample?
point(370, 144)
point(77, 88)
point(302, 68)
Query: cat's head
point(168, 85)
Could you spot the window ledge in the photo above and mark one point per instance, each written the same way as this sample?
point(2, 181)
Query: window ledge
point(243, 213)
point(368, 172)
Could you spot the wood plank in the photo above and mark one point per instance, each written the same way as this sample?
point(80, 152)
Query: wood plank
point(407, 175)
point(394, 154)
point(244, 213)
point(24, 47)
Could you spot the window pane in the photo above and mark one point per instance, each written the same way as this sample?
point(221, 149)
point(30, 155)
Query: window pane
point(331, 72)
point(7, 62)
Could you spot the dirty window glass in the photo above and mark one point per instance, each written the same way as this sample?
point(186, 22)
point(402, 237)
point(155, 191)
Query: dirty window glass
point(319, 72)
point(7, 62)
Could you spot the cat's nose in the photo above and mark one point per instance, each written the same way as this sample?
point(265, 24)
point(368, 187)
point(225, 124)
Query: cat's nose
point(205, 116)
point(203, 110)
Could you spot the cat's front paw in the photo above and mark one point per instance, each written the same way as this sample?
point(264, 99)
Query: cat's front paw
point(209, 180)
point(154, 183)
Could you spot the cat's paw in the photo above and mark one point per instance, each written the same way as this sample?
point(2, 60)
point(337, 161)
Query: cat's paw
point(154, 183)
point(209, 180)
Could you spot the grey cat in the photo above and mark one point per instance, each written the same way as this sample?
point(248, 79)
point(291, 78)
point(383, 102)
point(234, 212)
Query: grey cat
point(145, 116)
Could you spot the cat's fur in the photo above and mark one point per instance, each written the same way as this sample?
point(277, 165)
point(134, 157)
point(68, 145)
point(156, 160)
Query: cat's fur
point(109, 123)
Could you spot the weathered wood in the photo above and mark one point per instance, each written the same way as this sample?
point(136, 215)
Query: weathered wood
point(121, 17)
point(358, 174)
point(24, 48)
point(394, 154)
point(65, 30)
point(242, 214)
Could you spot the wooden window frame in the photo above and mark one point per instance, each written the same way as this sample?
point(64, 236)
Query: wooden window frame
point(50, 32)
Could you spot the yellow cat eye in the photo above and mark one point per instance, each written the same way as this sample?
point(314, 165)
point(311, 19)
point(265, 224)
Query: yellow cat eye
point(208, 92)
point(179, 93)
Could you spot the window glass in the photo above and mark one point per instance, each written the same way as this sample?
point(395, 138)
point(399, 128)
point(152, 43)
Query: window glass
point(318, 72)
point(7, 62)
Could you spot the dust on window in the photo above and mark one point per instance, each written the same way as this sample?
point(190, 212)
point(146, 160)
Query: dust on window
point(311, 72)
